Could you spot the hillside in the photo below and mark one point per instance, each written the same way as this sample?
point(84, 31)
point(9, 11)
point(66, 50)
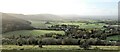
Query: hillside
point(10, 23)
point(48, 17)
point(52, 17)
point(38, 17)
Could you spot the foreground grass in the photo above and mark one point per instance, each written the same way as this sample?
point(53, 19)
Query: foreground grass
point(57, 48)
point(33, 32)
point(59, 51)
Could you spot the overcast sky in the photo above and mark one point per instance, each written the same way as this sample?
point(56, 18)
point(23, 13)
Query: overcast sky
point(78, 7)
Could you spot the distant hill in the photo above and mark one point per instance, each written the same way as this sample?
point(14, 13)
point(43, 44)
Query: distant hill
point(11, 23)
point(20, 16)
point(78, 17)
point(38, 17)
point(45, 17)
point(52, 17)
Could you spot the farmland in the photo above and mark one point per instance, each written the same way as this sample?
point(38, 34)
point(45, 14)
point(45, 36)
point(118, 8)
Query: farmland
point(60, 26)
point(117, 37)
point(84, 25)
point(32, 32)
point(80, 24)
point(50, 36)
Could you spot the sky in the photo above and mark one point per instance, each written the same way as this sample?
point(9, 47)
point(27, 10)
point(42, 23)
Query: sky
point(60, 7)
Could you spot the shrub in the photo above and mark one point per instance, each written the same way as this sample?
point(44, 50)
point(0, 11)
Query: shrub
point(49, 41)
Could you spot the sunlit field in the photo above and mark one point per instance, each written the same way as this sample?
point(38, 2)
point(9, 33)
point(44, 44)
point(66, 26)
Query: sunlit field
point(56, 47)
point(67, 48)
point(81, 25)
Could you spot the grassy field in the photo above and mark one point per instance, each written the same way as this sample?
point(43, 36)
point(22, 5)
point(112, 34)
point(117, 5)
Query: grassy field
point(64, 48)
point(84, 25)
point(116, 37)
point(81, 25)
point(33, 32)
point(56, 47)
point(59, 51)
point(41, 24)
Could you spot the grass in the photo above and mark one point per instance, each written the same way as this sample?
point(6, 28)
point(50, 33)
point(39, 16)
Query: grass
point(56, 48)
point(33, 32)
point(59, 51)
point(84, 25)
point(81, 25)
point(41, 24)
point(45, 47)
point(116, 37)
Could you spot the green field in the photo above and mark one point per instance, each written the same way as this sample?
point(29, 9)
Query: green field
point(84, 25)
point(81, 25)
point(55, 48)
point(33, 32)
point(41, 24)
point(116, 37)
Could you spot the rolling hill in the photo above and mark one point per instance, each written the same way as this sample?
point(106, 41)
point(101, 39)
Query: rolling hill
point(38, 17)
point(52, 17)
point(11, 23)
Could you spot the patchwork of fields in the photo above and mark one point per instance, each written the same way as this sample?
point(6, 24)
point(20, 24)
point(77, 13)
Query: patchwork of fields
point(81, 25)
point(43, 25)
point(55, 48)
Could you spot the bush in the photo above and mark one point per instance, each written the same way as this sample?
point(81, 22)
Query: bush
point(49, 41)
point(69, 41)
point(85, 45)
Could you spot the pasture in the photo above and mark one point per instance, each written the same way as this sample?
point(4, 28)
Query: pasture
point(116, 37)
point(32, 32)
point(80, 24)
point(57, 48)
point(85, 25)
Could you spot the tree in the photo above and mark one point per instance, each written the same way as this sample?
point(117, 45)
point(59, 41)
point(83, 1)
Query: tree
point(20, 42)
point(103, 36)
point(47, 22)
point(85, 44)
point(40, 42)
